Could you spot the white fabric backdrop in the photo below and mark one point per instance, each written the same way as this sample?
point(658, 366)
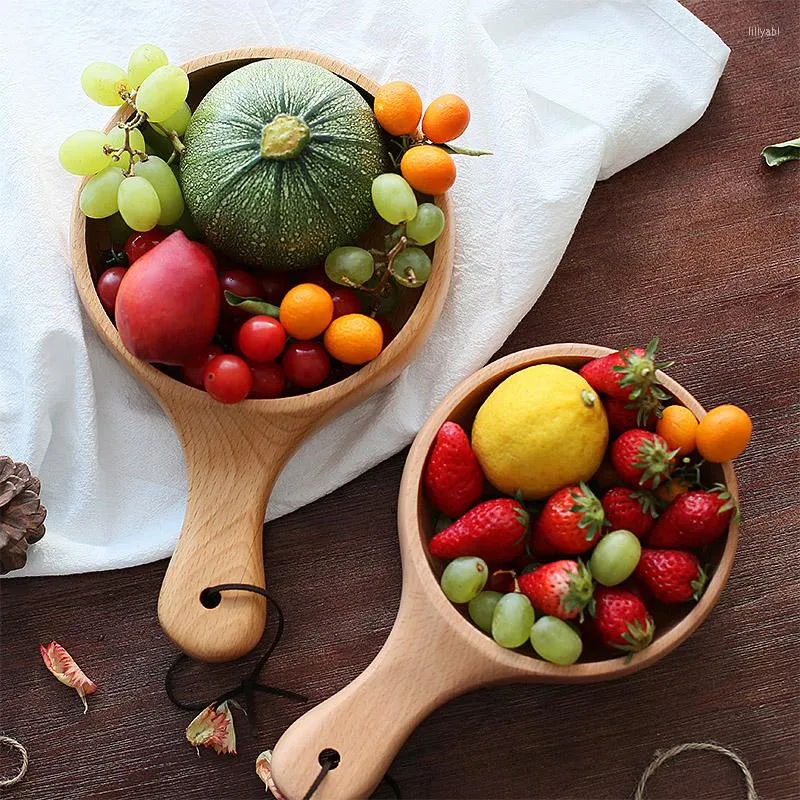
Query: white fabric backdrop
point(563, 91)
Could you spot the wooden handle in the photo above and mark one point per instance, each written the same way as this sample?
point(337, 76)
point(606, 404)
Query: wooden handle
point(424, 663)
point(232, 464)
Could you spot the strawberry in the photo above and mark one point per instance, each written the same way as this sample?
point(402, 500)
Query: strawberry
point(561, 588)
point(453, 477)
point(571, 521)
point(642, 458)
point(622, 620)
point(630, 510)
point(671, 576)
point(629, 375)
point(622, 416)
point(493, 530)
point(694, 519)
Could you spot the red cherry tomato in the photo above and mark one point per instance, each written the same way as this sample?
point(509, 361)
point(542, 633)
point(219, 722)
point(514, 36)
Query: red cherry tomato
point(306, 364)
point(140, 243)
point(345, 301)
point(228, 379)
point(239, 282)
point(269, 381)
point(274, 286)
point(108, 286)
point(193, 372)
point(261, 339)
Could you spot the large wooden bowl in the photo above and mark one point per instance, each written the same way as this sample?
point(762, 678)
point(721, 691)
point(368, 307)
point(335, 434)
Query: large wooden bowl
point(235, 453)
point(433, 653)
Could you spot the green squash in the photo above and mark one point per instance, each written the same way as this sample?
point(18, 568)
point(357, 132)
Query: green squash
point(280, 158)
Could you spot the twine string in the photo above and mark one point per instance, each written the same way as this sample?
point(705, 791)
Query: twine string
point(246, 688)
point(13, 744)
point(328, 760)
point(661, 757)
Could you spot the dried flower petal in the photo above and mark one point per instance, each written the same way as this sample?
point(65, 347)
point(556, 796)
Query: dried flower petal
point(213, 728)
point(264, 771)
point(63, 666)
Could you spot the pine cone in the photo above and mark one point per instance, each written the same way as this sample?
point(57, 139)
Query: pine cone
point(21, 513)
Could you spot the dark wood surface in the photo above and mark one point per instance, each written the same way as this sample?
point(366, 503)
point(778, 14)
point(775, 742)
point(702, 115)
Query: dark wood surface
point(699, 243)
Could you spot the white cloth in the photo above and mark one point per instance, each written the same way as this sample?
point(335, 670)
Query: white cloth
point(563, 91)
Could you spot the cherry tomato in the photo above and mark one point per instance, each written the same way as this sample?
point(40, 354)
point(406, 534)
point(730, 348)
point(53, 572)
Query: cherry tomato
point(261, 339)
point(274, 286)
point(193, 372)
point(140, 243)
point(306, 364)
point(108, 286)
point(345, 301)
point(269, 381)
point(228, 379)
point(239, 282)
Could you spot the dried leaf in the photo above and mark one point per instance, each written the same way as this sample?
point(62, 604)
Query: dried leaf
point(213, 728)
point(264, 771)
point(777, 154)
point(63, 666)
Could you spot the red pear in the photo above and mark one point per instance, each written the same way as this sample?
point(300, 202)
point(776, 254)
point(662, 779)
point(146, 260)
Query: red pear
point(167, 307)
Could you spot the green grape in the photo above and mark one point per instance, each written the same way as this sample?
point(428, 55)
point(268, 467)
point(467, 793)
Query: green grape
point(349, 265)
point(178, 122)
point(556, 641)
point(163, 180)
point(463, 578)
point(82, 153)
point(481, 609)
point(138, 203)
point(103, 83)
point(118, 230)
point(162, 92)
point(512, 620)
point(412, 267)
point(117, 139)
point(615, 557)
point(427, 225)
point(146, 58)
point(99, 196)
point(393, 198)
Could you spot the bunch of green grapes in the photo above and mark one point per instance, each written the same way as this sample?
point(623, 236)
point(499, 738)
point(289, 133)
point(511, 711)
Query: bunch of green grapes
point(125, 176)
point(404, 260)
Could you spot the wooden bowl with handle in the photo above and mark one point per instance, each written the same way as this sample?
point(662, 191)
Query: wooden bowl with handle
point(235, 453)
point(434, 652)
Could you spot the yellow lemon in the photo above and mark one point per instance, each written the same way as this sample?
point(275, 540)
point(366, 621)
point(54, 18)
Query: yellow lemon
point(542, 428)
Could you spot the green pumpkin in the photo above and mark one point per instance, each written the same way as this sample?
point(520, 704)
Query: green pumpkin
point(280, 158)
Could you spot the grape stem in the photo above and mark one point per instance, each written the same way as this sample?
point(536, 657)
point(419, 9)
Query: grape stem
point(384, 266)
point(139, 117)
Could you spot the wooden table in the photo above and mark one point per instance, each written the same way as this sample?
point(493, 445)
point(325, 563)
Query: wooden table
point(699, 243)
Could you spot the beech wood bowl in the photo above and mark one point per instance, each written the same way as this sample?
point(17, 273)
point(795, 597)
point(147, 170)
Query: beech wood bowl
point(235, 453)
point(433, 652)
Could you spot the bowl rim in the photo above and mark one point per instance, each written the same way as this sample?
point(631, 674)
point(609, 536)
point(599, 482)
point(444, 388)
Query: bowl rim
point(417, 568)
point(329, 400)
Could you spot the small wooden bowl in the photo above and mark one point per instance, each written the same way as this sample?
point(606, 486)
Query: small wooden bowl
point(433, 653)
point(235, 453)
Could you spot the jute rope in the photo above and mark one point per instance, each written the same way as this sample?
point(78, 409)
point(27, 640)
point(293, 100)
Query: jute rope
point(660, 757)
point(13, 744)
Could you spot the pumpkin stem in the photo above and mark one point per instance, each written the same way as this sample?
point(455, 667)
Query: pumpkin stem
point(284, 138)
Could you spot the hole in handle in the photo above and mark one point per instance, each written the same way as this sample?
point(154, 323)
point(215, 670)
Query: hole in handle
point(329, 758)
point(210, 598)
